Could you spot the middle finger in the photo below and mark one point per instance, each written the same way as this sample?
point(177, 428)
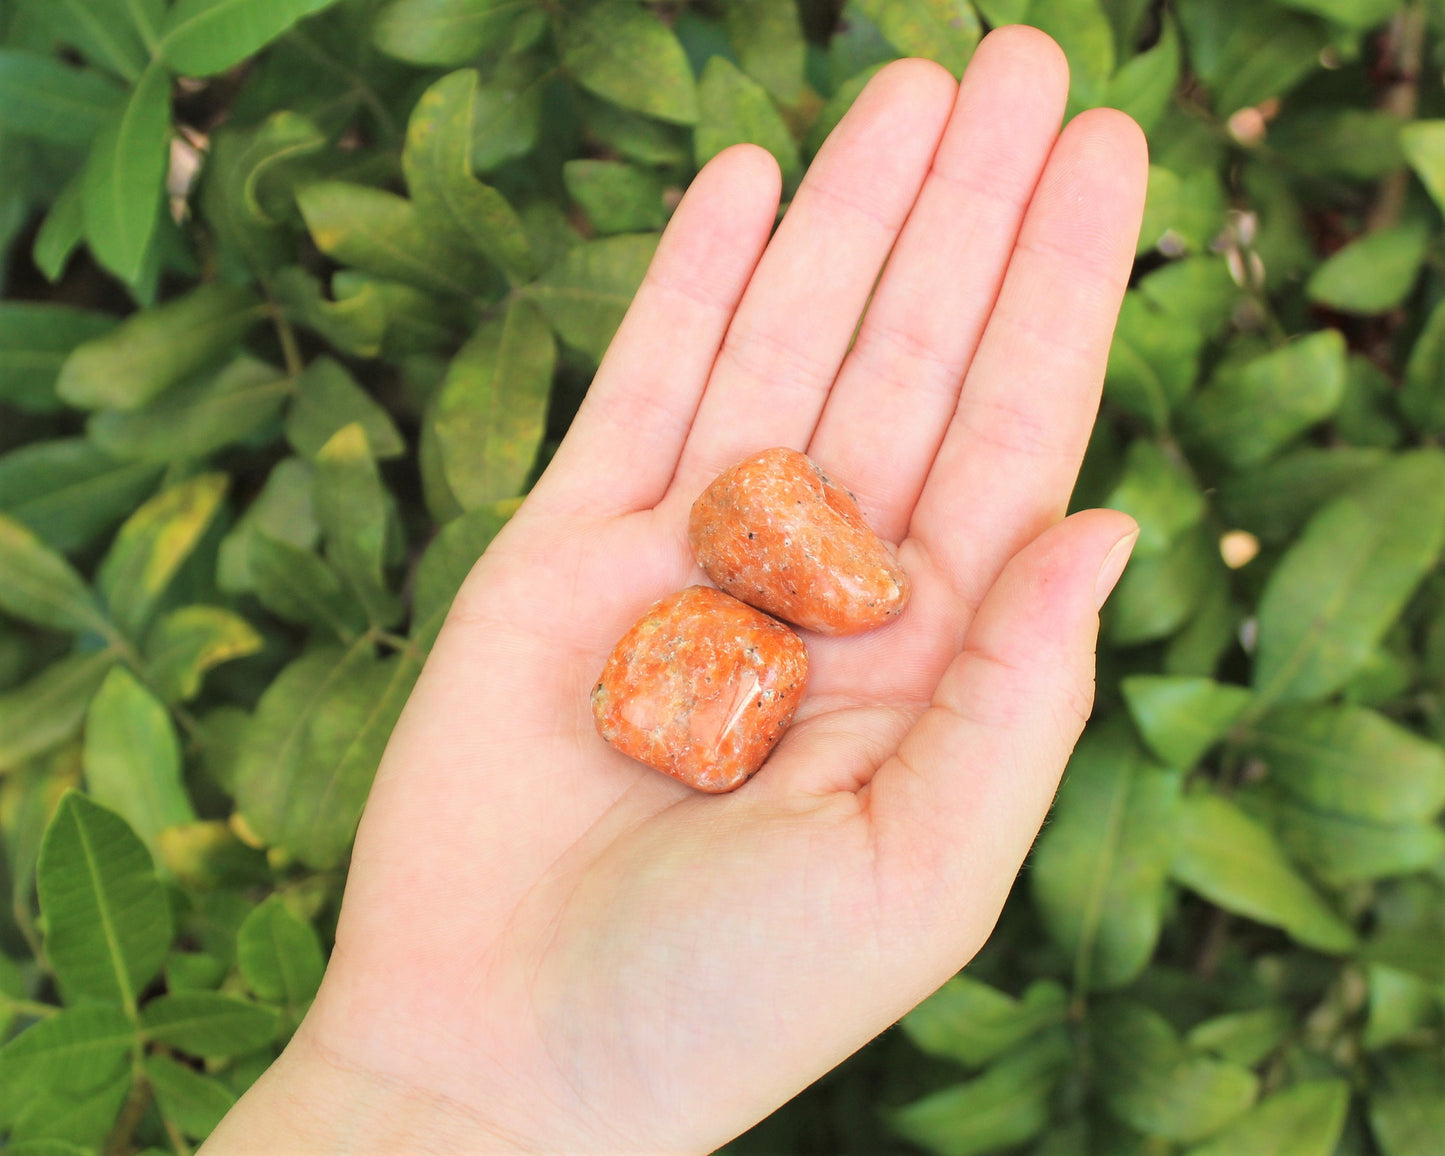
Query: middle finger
point(795, 321)
point(897, 390)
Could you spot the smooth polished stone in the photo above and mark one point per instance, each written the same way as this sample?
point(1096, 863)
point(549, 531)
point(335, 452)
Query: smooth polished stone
point(701, 687)
point(780, 534)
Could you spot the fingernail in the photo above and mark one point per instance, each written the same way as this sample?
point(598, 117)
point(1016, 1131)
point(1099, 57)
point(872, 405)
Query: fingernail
point(1113, 566)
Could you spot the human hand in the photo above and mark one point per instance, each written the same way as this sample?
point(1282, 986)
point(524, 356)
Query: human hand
point(547, 947)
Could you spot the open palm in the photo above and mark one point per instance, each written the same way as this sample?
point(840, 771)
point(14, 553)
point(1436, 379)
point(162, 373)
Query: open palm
point(548, 947)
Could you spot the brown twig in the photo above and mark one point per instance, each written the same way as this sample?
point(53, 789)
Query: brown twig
point(1404, 48)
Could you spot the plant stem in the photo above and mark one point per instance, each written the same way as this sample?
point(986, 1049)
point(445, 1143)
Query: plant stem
point(136, 1103)
point(29, 1007)
point(173, 1134)
point(1405, 45)
point(290, 350)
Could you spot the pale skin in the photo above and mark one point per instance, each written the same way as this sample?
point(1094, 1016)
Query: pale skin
point(546, 947)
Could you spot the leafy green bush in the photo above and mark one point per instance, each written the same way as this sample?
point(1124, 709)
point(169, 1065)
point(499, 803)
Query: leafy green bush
point(232, 519)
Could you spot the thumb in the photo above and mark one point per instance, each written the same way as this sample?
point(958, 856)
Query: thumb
point(958, 806)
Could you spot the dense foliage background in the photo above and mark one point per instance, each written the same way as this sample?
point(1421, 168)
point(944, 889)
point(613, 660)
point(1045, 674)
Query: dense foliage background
point(300, 293)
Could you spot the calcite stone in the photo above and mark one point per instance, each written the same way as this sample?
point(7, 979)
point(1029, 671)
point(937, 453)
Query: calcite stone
point(701, 688)
point(780, 534)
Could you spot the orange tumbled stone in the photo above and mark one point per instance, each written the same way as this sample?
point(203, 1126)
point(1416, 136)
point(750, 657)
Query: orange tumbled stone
point(701, 687)
point(779, 533)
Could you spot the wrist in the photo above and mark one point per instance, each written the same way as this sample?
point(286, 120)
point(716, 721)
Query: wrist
point(313, 1101)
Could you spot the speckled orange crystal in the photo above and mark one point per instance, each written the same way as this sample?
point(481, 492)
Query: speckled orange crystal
point(701, 687)
point(779, 533)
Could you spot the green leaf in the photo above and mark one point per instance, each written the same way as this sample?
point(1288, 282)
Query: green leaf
point(447, 31)
point(1305, 1119)
point(354, 324)
point(280, 140)
point(50, 1121)
point(105, 31)
point(327, 400)
point(1099, 868)
point(1367, 414)
point(231, 196)
point(1274, 500)
point(279, 955)
point(1153, 360)
point(1234, 862)
point(207, 854)
point(193, 1103)
point(1145, 85)
point(1353, 761)
point(203, 37)
point(107, 922)
point(344, 744)
point(354, 510)
point(626, 55)
point(972, 1023)
point(1343, 849)
point(1156, 1085)
point(1356, 14)
point(1159, 592)
point(437, 161)
point(151, 547)
point(196, 420)
point(204, 1023)
point(1400, 1004)
point(1181, 717)
point(617, 197)
point(48, 710)
point(300, 587)
point(188, 642)
point(188, 971)
point(1163, 198)
point(35, 340)
point(125, 177)
point(133, 758)
point(1244, 1038)
point(1195, 293)
point(157, 348)
point(491, 412)
point(76, 1051)
point(1005, 1106)
point(62, 230)
point(1423, 398)
point(1424, 145)
point(1158, 493)
point(1407, 1103)
point(1357, 143)
point(1344, 582)
point(1248, 52)
point(221, 733)
point(40, 96)
point(1082, 31)
point(38, 585)
point(1250, 411)
point(278, 751)
point(735, 109)
point(507, 111)
point(768, 39)
point(381, 233)
point(1410, 931)
point(943, 30)
point(447, 562)
point(282, 510)
point(1374, 273)
point(67, 491)
point(587, 292)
